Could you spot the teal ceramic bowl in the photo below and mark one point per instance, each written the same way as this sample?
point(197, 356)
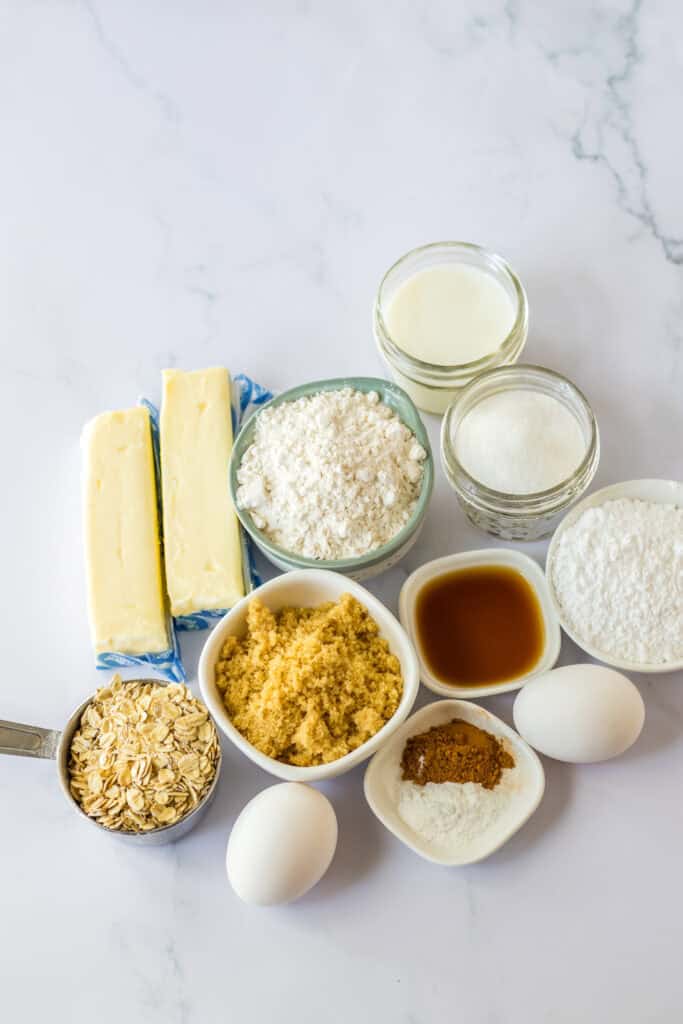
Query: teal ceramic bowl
point(382, 558)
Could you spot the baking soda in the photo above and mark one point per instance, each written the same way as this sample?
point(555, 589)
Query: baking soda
point(452, 816)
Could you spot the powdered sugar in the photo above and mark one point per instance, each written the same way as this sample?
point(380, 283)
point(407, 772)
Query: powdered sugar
point(618, 576)
point(332, 475)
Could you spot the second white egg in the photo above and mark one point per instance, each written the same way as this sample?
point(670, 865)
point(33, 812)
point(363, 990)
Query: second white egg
point(579, 713)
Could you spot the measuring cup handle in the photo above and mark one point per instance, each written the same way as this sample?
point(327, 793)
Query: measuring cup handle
point(28, 740)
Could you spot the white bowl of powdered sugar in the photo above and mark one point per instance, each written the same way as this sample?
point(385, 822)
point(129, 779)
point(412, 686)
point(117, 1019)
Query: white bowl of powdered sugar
point(615, 569)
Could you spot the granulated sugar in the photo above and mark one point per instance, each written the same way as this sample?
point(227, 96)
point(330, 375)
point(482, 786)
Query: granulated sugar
point(519, 442)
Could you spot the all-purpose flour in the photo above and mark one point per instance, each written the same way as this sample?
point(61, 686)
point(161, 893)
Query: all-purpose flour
point(332, 475)
point(618, 574)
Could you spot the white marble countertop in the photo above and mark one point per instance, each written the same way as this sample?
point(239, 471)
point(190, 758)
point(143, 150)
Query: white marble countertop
point(196, 183)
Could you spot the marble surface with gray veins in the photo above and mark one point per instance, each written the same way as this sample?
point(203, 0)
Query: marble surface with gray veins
point(188, 184)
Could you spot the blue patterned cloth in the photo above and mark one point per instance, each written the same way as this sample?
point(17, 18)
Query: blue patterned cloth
point(247, 396)
point(167, 663)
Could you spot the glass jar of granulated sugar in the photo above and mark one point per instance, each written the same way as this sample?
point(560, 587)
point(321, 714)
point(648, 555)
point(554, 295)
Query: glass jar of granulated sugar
point(443, 314)
point(519, 445)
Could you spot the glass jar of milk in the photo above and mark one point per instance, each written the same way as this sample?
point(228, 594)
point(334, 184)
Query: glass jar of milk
point(444, 313)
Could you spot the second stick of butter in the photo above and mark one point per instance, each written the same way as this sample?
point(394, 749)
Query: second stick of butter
point(202, 549)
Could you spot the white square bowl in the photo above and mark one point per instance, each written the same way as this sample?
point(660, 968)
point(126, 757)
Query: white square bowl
point(509, 558)
point(307, 588)
point(382, 778)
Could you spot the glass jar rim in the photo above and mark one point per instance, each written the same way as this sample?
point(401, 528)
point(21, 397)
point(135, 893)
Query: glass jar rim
point(530, 500)
point(509, 346)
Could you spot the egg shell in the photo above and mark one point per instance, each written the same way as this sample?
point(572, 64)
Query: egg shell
point(579, 713)
point(281, 844)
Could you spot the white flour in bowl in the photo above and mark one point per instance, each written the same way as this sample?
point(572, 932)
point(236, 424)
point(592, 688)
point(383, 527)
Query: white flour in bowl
point(332, 475)
point(617, 573)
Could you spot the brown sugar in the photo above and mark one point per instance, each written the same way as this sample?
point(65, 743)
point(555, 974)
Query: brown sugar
point(308, 685)
point(456, 751)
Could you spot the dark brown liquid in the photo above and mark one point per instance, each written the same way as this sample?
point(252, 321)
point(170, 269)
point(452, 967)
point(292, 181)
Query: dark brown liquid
point(479, 625)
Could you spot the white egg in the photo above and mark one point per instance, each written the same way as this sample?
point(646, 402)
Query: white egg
point(281, 844)
point(579, 713)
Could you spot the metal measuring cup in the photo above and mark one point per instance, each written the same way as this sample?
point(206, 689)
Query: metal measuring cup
point(34, 741)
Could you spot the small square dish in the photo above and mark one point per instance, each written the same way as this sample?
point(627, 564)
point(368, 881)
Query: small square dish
point(519, 791)
point(506, 558)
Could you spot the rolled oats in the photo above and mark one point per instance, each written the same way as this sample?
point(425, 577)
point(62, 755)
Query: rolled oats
point(143, 755)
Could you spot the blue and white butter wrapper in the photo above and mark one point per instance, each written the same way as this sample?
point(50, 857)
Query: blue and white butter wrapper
point(167, 663)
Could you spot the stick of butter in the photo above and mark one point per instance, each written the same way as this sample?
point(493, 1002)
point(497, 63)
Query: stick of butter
point(202, 549)
point(122, 550)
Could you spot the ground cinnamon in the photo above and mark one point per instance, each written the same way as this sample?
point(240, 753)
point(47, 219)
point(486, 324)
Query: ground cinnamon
point(456, 751)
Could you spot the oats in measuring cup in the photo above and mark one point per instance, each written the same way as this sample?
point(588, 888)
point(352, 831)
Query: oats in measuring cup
point(143, 756)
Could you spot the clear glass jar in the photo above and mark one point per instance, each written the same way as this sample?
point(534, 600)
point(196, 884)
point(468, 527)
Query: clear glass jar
point(431, 386)
point(519, 516)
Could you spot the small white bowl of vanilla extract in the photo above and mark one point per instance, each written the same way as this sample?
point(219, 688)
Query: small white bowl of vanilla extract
point(482, 622)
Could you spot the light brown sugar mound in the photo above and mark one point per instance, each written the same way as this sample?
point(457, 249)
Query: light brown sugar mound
point(308, 685)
